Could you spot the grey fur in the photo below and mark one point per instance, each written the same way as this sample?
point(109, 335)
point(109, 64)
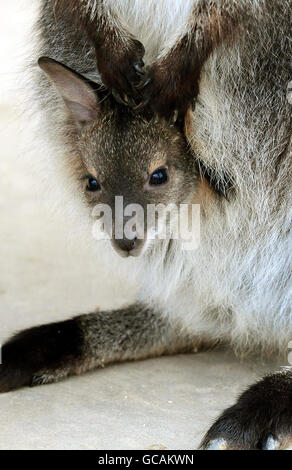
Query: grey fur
point(131, 333)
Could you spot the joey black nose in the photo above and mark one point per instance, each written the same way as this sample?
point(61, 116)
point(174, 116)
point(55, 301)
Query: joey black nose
point(127, 245)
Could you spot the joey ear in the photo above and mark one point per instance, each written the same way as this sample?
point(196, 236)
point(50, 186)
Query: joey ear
point(76, 91)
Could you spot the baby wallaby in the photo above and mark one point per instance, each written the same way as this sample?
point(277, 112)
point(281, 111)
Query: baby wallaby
point(114, 152)
point(223, 68)
point(122, 153)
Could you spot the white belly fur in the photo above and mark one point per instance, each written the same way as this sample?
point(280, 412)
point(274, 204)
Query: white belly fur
point(156, 23)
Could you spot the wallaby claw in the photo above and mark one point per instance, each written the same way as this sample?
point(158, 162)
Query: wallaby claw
point(118, 98)
point(125, 100)
point(143, 83)
point(141, 105)
point(271, 443)
point(174, 117)
point(139, 68)
point(121, 71)
point(217, 444)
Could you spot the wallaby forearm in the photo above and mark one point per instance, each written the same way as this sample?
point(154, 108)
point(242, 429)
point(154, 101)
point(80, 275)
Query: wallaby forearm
point(118, 54)
point(175, 75)
point(95, 19)
point(52, 352)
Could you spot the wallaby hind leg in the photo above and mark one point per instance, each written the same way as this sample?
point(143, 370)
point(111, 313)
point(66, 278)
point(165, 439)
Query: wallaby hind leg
point(260, 419)
point(54, 351)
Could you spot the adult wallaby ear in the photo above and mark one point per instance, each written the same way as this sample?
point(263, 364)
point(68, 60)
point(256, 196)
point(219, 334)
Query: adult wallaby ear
point(77, 92)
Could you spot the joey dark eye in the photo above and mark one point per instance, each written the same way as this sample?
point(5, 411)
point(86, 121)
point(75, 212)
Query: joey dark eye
point(159, 176)
point(93, 185)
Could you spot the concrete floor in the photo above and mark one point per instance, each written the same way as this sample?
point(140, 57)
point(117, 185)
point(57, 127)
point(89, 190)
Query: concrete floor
point(160, 403)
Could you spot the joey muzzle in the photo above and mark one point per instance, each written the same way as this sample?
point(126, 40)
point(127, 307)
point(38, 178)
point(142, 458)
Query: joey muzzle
point(128, 247)
point(128, 234)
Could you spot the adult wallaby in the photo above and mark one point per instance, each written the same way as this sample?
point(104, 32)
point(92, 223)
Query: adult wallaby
point(224, 66)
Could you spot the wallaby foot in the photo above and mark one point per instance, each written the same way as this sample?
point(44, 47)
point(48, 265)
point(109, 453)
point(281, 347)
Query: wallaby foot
point(121, 70)
point(261, 418)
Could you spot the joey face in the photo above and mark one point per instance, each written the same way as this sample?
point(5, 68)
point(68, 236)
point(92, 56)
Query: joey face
point(131, 163)
point(144, 163)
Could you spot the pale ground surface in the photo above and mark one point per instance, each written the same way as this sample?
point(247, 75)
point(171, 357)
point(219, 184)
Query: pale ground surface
point(167, 402)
